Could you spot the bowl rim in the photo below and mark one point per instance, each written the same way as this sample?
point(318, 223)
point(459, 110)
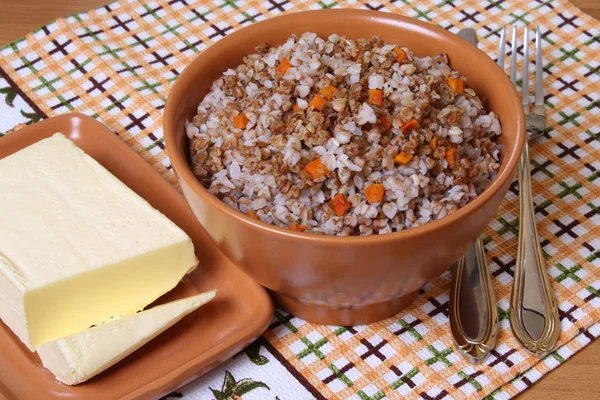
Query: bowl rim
point(182, 168)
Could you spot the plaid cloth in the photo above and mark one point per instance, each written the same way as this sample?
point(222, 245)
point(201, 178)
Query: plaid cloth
point(117, 63)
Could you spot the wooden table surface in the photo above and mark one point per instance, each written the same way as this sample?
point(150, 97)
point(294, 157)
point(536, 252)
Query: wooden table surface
point(576, 379)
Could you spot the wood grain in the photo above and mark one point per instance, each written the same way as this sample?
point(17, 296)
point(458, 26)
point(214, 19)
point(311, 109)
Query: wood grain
point(576, 379)
point(591, 7)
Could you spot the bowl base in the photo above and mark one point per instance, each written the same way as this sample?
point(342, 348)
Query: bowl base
point(361, 315)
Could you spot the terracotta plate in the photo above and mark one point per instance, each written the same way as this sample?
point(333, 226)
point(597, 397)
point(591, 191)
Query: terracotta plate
point(239, 314)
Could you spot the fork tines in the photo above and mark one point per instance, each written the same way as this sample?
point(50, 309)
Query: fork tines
point(539, 73)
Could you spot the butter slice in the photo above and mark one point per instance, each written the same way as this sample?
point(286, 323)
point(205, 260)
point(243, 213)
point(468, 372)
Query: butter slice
point(79, 357)
point(77, 246)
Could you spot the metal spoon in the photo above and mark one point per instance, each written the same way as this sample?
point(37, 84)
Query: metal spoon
point(473, 314)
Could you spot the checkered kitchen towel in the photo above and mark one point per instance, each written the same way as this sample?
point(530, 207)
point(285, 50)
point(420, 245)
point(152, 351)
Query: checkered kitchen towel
point(117, 63)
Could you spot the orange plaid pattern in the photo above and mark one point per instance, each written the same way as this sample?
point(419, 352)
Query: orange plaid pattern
point(118, 62)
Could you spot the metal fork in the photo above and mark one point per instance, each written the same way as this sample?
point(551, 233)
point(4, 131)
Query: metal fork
point(533, 312)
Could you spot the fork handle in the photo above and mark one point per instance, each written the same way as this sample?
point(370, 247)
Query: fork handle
point(533, 311)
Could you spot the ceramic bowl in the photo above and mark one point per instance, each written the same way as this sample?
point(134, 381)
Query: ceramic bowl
point(343, 280)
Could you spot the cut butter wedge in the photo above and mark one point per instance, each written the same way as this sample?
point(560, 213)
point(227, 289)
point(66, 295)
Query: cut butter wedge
point(76, 358)
point(77, 246)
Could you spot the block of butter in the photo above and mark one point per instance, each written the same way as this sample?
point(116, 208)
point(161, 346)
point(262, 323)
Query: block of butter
point(77, 246)
point(76, 358)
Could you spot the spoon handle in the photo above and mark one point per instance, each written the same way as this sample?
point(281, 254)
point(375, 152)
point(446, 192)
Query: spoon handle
point(533, 312)
point(473, 313)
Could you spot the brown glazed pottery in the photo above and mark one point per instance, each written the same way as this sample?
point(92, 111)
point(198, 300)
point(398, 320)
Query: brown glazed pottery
point(343, 280)
point(199, 342)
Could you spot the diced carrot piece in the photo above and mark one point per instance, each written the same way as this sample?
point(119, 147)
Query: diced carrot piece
point(316, 169)
point(240, 121)
point(384, 121)
point(376, 97)
point(456, 84)
point(252, 214)
point(340, 204)
point(374, 193)
point(450, 153)
point(297, 107)
point(433, 144)
point(283, 66)
point(317, 102)
point(402, 158)
point(328, 92)
point(410, 126)
point(297, 228)
point(401, 55)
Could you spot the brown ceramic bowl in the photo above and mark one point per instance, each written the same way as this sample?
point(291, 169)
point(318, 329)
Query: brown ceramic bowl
point(343, 280)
